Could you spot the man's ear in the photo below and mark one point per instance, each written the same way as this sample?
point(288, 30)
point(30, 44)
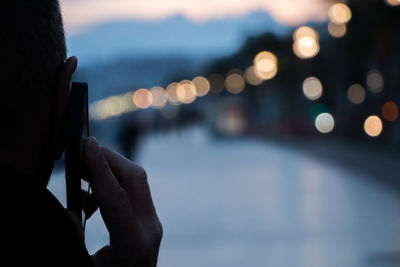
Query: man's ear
point(62, 92)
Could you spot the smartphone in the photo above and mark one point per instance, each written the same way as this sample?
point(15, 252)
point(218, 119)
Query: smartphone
point(77, 128)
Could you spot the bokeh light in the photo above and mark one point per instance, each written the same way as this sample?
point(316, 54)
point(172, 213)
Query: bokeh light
point(393, 2)
point(306, 48)
point(202, 85)
point(231, 120)
point(111, 106)
point(159, 97)
point(305, 31)
point(217, 83)
point(231, 124)
point(373, 126)
point(143, 98)
point(234, 83)
point(339, 13)
point(171, 94)
point(306, 42)
point(375, 81)
point(356, 94)
point(337, 30)
point(324, 123)
point(251, 76)
point(114, 105)
point(265, 65)
point(390, 111)
point(128, 102)
point(312, 88)
point(96, 111)
point(186, 91)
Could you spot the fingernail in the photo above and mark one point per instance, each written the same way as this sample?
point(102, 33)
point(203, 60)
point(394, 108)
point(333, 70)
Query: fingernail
point(91, 147)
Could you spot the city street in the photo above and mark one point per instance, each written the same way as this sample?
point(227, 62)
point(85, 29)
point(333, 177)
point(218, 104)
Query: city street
point(244, 202)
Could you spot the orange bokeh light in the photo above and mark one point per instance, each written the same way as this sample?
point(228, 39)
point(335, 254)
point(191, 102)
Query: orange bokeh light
point(159, 97)
point(393, 2)
point(339, 13)
point(306, 43)
point(265, 65)
point(202, 85)
point(235, 83)
point(186, 91)
point(143, 98)
point(337, 30)
point(373, 126)
point(171, 94)
point(390, 111)
point(251, 76)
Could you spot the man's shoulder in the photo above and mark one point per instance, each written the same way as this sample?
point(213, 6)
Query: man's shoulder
point(38, 228)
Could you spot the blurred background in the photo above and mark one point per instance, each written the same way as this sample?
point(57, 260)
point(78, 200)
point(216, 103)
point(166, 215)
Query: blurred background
point(269, 129)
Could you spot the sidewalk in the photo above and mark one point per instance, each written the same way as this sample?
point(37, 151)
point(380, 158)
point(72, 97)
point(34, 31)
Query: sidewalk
point(249, 202)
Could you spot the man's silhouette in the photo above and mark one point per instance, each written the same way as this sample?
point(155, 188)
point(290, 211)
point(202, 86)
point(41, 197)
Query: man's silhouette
point(37, 231)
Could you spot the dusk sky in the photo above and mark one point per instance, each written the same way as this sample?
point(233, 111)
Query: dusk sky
point(80, 14)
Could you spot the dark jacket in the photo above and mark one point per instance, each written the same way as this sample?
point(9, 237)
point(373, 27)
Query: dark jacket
point(36, 230)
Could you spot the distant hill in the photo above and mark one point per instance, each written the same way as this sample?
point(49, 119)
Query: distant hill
point(173, 37)
point(120, 76)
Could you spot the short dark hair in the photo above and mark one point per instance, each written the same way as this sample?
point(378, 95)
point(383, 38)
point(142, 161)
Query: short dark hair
point(32, 44)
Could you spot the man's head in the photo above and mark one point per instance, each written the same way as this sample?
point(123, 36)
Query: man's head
point(34, 82)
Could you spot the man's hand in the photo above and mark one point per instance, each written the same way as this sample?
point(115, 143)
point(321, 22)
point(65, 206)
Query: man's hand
point(121, 190)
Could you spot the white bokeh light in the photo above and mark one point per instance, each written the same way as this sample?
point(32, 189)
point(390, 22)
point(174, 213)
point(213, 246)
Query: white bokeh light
point(324, 123)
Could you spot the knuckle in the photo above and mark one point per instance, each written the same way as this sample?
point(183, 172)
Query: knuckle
point(120, 195)
point(142, 175)
point(153, 237)
point(160, 230)
point(157, 231)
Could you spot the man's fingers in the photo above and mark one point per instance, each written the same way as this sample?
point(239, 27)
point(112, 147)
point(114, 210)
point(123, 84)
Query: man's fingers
point(100, 175)
point(133, 179)
point(125, 170)
point(112, 199)
point(121, 189)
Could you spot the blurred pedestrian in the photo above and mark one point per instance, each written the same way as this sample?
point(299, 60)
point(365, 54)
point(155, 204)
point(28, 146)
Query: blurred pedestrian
point(129, 135)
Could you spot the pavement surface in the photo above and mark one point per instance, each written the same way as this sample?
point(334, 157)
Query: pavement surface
point(246, 202)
